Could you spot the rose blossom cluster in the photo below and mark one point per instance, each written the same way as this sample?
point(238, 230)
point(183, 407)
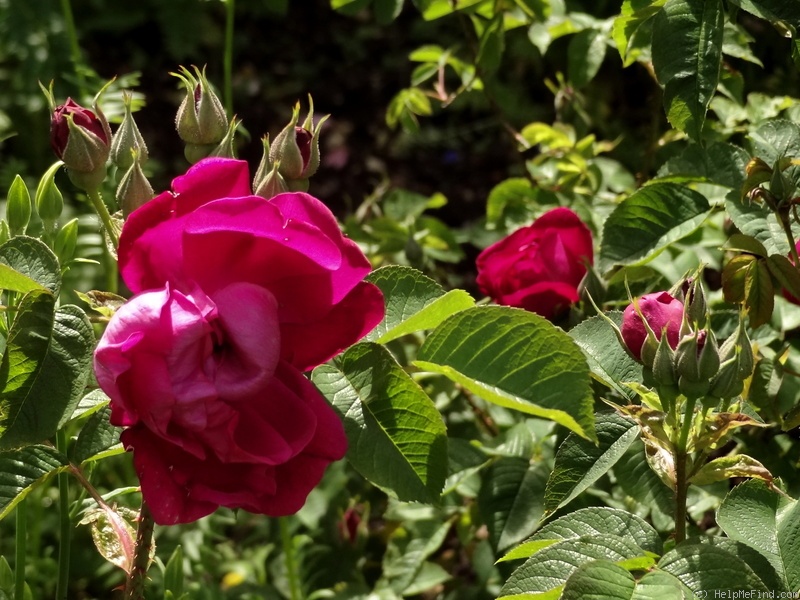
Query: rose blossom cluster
point(235, 296)
point(538, 267)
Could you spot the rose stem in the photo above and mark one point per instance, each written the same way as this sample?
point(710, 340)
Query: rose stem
point(66, 523)
point(681, 483)
point(105, 217)
point(21, 550)
point(134, 587)
point(291, 567)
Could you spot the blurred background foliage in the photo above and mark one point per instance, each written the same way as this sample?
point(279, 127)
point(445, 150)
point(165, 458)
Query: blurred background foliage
point(420, 175)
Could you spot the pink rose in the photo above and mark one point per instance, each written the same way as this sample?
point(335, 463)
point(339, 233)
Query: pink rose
point(235, 296)
point(662, 313)
point(538, 267)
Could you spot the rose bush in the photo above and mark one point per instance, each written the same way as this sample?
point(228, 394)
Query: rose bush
point(662, 313)
point(235, 296)
point(538, 267)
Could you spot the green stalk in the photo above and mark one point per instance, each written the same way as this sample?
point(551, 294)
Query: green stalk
point(21, 550)
point(681, 476)
point(105, 217)
point(787, 229)
point(66, 523)
point(75, 49)
point(295, 593)
point(227, 61)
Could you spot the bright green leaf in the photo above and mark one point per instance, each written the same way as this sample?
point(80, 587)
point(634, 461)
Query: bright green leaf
point(397, 438)
point(759, 293)
point(593, 521)
point(728, 467)
point(414, 302)
point(516, 359)
point(633, 28)
point(550, 568)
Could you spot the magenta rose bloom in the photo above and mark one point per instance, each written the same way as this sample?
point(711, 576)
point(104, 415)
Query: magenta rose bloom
point(235, 297)
point(538, 267)
point(661, 311)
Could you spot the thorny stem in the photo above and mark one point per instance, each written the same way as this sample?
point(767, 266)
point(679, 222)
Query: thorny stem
point(134, 586)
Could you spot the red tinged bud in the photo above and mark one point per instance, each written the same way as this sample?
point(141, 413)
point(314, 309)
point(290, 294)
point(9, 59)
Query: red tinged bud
point(662, 313)
point(82, 117)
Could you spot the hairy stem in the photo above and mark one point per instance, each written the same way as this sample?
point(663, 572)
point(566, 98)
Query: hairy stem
point(295, 593)
point(787, 228)
point(134, 586)
point(681, 475)
point(21, 542)
point(66, 523)
point(105, 217)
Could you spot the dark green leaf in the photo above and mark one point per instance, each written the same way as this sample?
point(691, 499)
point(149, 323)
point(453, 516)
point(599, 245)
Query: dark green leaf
point(702, 568)
point(687, 51)
point(387, 11)
point(397, 437)
point(759, 293)
point(96, 436)
point(491, 47)
point(579, 462)
point(720, 163)
point(607, 359)
point(585, 54)
point(516, 359)
point(605, 580)
point(512, 499)
point(33, 259)
point(648, 221)
point(21, 469)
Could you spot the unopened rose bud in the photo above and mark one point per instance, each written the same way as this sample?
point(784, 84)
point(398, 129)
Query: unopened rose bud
point(66, 241)
point(81, 138)
point(737, 365)
point(48, 199)
point(18, 206)
point(128, 138)
point(661, 313)
point(297, 149)
point(664, 364)
point(697, 360)
point(134, 189)
point(201, 120)
point(696, 306)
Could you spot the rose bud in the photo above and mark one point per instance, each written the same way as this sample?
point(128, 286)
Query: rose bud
point(538, 267)
point(81, 138)
point(201, 120)
point(134, 189)
point(296, 149)
point(661, 312)
point(128, 138)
